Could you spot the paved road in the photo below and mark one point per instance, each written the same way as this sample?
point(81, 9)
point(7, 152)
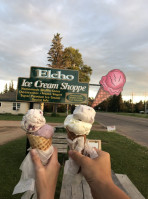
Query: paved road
point(132, 127)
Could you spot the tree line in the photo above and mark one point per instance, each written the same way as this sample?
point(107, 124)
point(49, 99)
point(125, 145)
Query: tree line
point(9, 87)
point(71, 58)
point(116, 104)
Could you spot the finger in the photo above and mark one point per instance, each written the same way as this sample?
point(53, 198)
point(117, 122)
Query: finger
point(55, 154)
point(78, 158)
point(97, 150)
point(100, 152)
point(53, 159)
point(36, 159)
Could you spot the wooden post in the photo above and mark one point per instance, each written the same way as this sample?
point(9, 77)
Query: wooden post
point(55, 108)
point(42, 106)
point(67, 109)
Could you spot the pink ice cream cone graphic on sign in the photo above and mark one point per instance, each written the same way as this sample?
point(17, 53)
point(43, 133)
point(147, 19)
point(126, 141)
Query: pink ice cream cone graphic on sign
point(111, 84)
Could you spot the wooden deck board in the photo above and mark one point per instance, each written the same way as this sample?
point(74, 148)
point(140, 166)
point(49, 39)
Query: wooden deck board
point(59, 141)
point(62, 151)
point(60, 135)
point(86, 190)
point(74, 187)
point(130, 188)
point(60, 146)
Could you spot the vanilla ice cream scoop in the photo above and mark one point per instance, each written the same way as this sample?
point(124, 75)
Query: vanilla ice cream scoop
point(76, 126)
point(33, 120)
point(84, 113)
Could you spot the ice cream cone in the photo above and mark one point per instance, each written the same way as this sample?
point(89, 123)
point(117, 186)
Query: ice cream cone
point(39, 142)
point(72, 135)
point(100, 97)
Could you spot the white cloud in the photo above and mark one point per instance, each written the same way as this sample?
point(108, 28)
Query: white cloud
point(109, 34)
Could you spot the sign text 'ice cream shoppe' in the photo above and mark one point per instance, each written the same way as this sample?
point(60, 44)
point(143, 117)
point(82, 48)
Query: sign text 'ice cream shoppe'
point(52, 85)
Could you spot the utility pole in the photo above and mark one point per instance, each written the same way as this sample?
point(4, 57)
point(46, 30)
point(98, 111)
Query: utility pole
point(132, 102)
point(145, 104)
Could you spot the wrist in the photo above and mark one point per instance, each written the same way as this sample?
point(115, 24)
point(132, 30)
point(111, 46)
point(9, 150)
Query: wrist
point(98, 188)
point(46, 196)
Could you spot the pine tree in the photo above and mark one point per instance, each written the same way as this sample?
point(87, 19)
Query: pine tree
point(69, 58)
point(56, 52)
point(11, 86)
point(6, 88)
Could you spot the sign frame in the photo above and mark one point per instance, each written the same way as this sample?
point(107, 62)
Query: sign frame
point(67, 96)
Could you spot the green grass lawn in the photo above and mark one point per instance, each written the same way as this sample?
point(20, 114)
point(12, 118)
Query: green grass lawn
point(59, 119)
point(127, 157)
point(134, 114)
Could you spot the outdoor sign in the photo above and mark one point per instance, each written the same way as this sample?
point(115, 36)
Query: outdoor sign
point(110, 84)
point(52, 85)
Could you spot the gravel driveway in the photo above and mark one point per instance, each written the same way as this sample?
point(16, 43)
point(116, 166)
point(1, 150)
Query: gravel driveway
point(10, 130)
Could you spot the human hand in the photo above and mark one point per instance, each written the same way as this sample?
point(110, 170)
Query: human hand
point(94, 170)
point(97, 172)
point(46, 176)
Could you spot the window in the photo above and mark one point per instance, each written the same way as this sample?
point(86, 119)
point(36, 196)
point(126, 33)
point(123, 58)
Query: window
point(16, 106)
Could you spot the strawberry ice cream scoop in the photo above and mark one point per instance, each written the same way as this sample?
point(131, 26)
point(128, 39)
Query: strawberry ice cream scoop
point(113, 82)
point(45, 131)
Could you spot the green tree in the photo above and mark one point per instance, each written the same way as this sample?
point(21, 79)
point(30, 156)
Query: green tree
point(72, 59)
point(56, 52)
point(115, 103)
point(11, 86)
point(103, 106)
point(128, 106)
point(69, 58)
point(85, 73)
point(6, 88)
point(139, 107)
point(56, 57)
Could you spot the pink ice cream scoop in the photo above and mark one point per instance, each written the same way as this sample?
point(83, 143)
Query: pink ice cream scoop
point(113, 82)
point(45, 131)
point(34, 122)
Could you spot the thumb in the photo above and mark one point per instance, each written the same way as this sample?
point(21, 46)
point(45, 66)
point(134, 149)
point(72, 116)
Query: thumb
point(36, 159)
point(78, 158)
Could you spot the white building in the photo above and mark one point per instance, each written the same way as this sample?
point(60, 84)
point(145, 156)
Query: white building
point(8, 104)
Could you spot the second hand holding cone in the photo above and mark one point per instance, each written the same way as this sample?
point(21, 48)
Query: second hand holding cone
point(40, 138)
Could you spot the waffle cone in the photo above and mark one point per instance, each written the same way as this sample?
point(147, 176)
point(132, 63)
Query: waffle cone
point(39, 142)
point(100, 97)
point(72, 135)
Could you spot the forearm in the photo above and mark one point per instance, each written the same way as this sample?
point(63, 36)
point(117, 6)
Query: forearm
point(47, 192)
point(46, 186)
point(107, 191)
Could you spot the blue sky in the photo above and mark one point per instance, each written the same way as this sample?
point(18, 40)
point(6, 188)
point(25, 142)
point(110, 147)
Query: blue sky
point(109, 34)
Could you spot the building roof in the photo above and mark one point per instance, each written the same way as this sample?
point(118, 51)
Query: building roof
point(10, 96)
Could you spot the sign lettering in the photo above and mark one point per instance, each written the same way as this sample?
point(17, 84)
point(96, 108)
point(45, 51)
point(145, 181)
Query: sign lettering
point(53, 86)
